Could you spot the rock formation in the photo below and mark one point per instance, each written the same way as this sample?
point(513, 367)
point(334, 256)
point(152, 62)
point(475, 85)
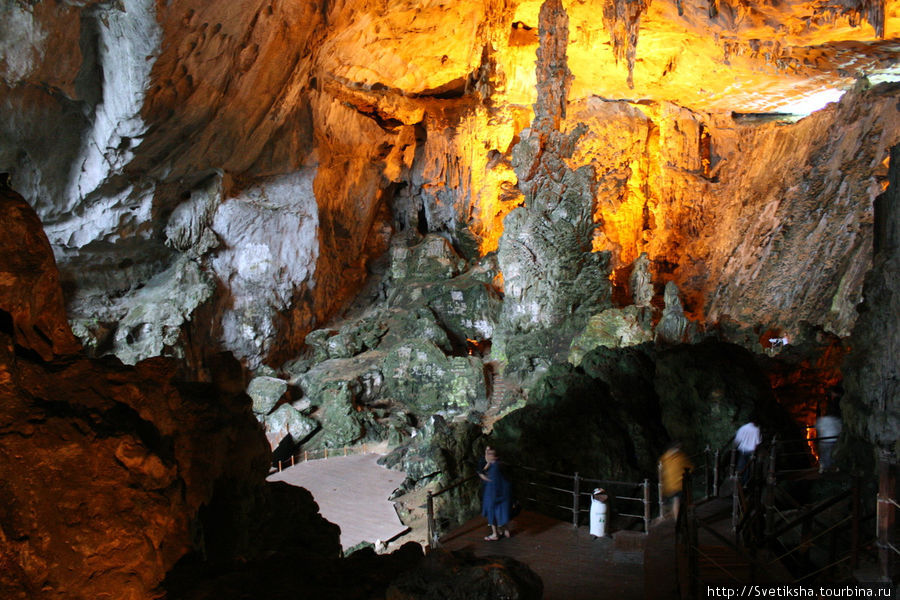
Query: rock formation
point(870, 408)
point(403, 231)
point(238, 168)
point(31, 300)
point(109, 471)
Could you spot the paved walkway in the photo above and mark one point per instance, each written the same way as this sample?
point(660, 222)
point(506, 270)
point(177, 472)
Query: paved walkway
point(353, 492)
point(572, 565)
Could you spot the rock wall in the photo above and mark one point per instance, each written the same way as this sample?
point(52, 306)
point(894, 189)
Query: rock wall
point(111, 474)
point(871, 409)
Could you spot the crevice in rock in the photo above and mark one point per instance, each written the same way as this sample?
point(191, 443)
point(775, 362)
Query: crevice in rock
point(117, 420)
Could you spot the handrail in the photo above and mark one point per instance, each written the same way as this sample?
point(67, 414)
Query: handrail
point(757, 522)
point(576, 493)
point(811, 512)
point(320, 454)
point(454, 486)
point(433, 540)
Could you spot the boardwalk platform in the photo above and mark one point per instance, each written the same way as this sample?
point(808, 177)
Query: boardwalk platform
point(352, 492)
point(572, 565)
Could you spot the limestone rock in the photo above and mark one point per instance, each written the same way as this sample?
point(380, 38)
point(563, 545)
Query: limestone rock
point(550, 273)
point(870, 408)
point(416, 323)
point(612, 328)
point(640, 281)
point(189, 228)
point(673, 326)
point(266, 392)
point(432, 259)
point(152, 325)
point(438, 449)
point(31, 300)
point(269, 239)
point(420, 376)
point(571, 423)
point(357, 379)
point(286, 421)
point(118, 459)
point(337, 390)
point(706, 391)
point(467, 308)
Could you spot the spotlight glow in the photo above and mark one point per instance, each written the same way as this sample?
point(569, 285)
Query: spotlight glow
point(811, 103)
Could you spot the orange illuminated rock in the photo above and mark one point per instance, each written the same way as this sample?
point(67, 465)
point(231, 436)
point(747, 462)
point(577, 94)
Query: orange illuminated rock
point(30, 297)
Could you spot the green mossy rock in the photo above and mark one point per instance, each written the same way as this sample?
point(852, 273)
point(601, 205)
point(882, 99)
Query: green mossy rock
point(419, 375)
point(613, 328)
point(432, 259)
point(354, 380)
point(286, 420)
point(337, 389)
point(416, 323)
point(467, 308)
point(265, 393)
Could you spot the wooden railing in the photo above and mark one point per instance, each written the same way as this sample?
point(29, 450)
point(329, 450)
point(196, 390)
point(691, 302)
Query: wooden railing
point(318, 454)
point(433, 534)
point(759, 525)
point(537, 487)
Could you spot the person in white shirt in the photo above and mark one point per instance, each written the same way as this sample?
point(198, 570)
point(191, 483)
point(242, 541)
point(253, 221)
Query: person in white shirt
point(746, 439)
point(828, 428)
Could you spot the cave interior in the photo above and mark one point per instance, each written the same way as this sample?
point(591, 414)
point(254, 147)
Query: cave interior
point(576, 230)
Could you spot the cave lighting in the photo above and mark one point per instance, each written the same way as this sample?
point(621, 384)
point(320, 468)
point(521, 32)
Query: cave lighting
point(811, 441)
point(809, 104)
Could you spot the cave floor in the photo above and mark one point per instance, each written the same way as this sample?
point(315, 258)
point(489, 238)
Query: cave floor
point(352, 492)
point(572, 565)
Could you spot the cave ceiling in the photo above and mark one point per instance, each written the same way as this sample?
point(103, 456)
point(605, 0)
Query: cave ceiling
point(248, 158)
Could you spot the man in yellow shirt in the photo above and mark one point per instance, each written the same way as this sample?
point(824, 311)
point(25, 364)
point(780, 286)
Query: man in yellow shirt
point(672, 465)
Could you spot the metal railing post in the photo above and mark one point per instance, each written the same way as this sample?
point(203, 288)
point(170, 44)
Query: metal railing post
point(646, 506)
point(659, 490)
point(770, 490)
point(735, 495)
point(716, 474)
point(854, 534)
point(708, 473)
point(691, 528)
point(576, 505)
point(429, 507)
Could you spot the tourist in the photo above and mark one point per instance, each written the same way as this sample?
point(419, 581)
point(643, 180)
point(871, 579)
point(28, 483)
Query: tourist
point(746, 440)
point(828, 428)
point(672, 466)
point(496, 497)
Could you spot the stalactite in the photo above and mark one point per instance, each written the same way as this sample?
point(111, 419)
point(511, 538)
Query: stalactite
point(622, 19)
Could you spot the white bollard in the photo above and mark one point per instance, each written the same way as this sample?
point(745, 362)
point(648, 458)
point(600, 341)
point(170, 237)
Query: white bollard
point(598, 512)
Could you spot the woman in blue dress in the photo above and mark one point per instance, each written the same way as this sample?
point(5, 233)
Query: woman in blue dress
point(497, 497)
